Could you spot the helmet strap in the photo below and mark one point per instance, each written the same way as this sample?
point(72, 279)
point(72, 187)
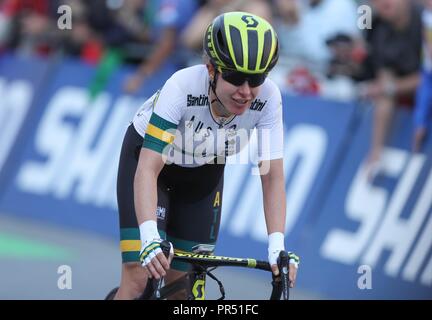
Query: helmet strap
point(217, 100)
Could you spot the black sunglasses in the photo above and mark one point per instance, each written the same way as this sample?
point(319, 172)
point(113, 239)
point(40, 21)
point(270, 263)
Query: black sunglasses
point(237, 78)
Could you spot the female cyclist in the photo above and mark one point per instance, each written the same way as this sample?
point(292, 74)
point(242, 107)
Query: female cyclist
point(171, 170)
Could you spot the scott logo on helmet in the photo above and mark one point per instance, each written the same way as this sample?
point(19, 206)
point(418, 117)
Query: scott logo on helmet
point(250, 21)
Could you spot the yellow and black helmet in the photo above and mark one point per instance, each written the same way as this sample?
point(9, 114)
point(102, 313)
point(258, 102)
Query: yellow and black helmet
point(242, 41)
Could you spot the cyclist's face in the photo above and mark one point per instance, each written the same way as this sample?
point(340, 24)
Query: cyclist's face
point(237, 99)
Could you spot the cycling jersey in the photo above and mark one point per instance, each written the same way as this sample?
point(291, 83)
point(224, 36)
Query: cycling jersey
point(178, 121)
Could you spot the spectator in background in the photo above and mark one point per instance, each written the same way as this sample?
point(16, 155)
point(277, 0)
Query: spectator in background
point(194, 32)
point(130, 28)
point(287, 20)
point(29, 26)
point(130, 24)
point(422, 113)
point(394, 46)
point(83, 40)
point(305, 27)
point(100, 25)
point(5, 25)
point(171, 17)
point(347, 56)
point(310, 43)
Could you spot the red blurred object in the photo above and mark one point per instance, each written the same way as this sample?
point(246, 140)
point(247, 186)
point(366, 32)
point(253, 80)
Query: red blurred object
point(358, 54)
point(301, 81)
point(43, 50)
point(12, 7)
point(92, 52)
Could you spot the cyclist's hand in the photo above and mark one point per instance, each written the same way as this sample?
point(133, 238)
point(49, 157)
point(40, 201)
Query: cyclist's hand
point(154, 260)
point(418, 139)
point(293, 264)
point(133, 83)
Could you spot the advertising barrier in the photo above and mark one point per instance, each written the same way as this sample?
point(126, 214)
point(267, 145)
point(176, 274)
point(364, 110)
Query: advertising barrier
point(358, 236)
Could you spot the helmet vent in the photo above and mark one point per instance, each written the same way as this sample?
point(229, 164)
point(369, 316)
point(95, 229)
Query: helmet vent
point(237, 45)
point(221, 44)
point(267, 48)
point(252, 49)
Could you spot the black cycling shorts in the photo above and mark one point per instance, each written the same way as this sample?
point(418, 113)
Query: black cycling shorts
point(188, 209)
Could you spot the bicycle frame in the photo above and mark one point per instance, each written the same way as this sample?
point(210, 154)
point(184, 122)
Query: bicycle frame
point(194, 281)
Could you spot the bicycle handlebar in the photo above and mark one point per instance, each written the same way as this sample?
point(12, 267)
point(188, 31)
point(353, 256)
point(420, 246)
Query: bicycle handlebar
point(208, 261)
point(280, 283)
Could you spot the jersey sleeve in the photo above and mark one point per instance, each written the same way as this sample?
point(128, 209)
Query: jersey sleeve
point(168, 109)
point(270, 130)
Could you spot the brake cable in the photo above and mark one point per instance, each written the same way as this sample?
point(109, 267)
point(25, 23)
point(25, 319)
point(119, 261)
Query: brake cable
point(221, 287)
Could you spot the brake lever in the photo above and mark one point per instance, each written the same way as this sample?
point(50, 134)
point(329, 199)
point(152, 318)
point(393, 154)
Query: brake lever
point(283, 265)
point(166, 247)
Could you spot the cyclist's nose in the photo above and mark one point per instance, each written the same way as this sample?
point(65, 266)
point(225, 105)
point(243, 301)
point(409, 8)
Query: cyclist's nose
point(245, 89)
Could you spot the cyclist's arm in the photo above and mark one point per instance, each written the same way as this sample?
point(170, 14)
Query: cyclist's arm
point(145, 197)
point(167, 112)
point(273, 186)
point(270, 152)
point(145, 184)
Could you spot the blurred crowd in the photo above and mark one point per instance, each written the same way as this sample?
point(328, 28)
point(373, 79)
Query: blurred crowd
point(329, 48)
